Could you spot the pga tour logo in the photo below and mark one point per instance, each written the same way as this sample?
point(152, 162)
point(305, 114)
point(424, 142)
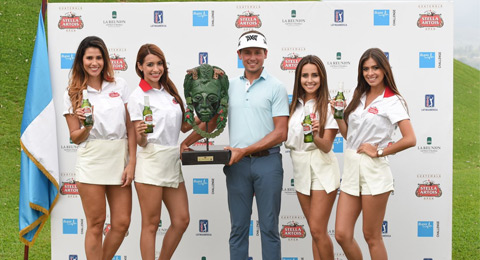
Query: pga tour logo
point(338, 16)
point(202, 58)
point(429, 103)
point(158, 16)
point(203, 226)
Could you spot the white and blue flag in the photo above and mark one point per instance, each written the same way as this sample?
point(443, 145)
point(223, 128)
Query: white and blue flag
point(39, 173)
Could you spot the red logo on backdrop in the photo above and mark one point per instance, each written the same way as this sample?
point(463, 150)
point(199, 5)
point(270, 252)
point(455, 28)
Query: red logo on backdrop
point(118, 62)
point(114, 94)
point(293, 230)
point(430, 19)
point(428, 189)
point(373, 110)
point(248, 20)
point(69, 188)
point(70, 21)
point(107, 228)
point(203, 142)
point(290, 62)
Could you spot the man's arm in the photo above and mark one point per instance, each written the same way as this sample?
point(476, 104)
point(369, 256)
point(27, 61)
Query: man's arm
point(278, 135)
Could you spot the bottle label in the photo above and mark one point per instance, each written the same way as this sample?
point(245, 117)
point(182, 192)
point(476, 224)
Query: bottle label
point(339, 104)
point(148, 118)
point(307, 129)
point(87, 111)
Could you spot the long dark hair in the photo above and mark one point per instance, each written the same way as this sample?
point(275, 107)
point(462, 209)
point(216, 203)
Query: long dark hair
point(165, 80)
point(321, 95)
point(363, 87)
point(78, 79)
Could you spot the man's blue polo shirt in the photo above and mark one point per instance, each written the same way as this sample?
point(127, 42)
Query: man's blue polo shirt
point(251, 111)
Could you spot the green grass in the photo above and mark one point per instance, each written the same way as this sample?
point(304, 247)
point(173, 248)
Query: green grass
point(466, 162)
point(18, 22)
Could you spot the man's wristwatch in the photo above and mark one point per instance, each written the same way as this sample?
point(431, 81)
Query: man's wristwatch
point(379, 152)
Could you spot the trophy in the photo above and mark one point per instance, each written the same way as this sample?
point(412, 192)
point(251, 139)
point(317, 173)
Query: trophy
point(206, 93)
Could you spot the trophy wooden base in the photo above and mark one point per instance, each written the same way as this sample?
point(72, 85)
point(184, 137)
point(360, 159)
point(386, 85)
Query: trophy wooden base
point(197, 157)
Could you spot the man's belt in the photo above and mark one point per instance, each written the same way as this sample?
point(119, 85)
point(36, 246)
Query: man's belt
point(266, 152)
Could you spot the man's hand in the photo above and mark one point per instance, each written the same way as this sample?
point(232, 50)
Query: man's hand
point(236, 156)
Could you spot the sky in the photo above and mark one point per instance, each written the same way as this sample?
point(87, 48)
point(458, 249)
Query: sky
point(466, 34)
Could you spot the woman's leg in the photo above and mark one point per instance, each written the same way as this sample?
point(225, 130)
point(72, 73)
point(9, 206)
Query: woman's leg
point(348, 210)
point(320, 209)
point(94, 206)
point(150, 200)
point(373, 214)
point(305, 204)
point(176, 202)
point(120, 203)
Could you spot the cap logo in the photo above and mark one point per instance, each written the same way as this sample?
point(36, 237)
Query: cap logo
point(251, 37)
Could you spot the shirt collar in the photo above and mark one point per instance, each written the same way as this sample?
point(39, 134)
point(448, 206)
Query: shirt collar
point(388, 92)
point(144, 85)
point(264, 75)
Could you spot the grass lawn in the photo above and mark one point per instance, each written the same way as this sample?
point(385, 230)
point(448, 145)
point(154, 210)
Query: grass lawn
point(18, 22)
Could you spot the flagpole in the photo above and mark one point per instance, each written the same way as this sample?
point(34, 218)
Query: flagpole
point(44, 9)
point(25, 253)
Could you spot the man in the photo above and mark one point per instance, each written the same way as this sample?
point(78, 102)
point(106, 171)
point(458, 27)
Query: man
point(258, 119)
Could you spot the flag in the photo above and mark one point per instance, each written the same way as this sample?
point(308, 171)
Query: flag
point(38, 139)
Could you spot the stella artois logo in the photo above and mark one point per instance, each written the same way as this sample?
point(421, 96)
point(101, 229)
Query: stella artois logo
point(430, 19)
point(118, 62)
point(428, 189)
point(69, 188)
point(70, 21)
point(248, 20)
point(373, 110)
point(293, 230)
point(290, 62)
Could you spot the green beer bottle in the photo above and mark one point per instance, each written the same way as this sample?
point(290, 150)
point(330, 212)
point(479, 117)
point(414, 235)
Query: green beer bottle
point(147, 115)
point(339, 103)
point(87, 109)
point(307, 127)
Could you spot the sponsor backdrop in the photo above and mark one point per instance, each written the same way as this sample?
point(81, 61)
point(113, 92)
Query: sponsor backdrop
point(416, 37)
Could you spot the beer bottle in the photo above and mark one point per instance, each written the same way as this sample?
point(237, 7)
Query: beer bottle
point(307, 127)
point(87, 109)
point(147, 115)
point(339, 102)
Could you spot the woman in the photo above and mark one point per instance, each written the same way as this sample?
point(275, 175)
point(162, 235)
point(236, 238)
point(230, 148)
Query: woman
point(315, 166)
point(105, 164)
point(158, 171)
point(372, 115)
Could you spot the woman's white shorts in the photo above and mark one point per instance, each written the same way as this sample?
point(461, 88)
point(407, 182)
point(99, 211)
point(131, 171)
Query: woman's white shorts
point(315, 170)
point(365, 175)
point(101, 161)
point(159, 165)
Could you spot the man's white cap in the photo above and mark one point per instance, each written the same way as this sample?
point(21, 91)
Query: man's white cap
point(252, 39)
